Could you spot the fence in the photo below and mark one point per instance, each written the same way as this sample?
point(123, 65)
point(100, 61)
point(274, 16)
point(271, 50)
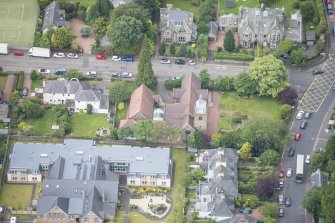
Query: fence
point(24, 212)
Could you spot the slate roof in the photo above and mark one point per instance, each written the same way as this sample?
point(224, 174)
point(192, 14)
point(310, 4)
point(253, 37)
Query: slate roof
point(54, 16)
point(229, 20)
point(319, 178)
point(88, 95)
point(141, 101)
point(212, 29)
point(310, 35)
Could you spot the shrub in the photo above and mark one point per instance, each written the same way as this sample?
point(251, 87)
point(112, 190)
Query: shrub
point(19, 84)
point(320, 46)
point(121, 106)
point(172, 49)
point(296, 5)
point(234, 56)
point(285, 111)
point(170, 84)
point(89, 109)
point(33, 75)
point(237, 117)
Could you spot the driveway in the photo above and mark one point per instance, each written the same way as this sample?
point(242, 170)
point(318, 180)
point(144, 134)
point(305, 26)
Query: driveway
point(27, 81)
point(8, 87)
point(84, 42)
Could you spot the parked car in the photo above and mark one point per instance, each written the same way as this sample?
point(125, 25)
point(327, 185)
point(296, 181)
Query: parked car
point(281, 212)
point(165, 61)
point(191, 62)
point(281, 172)
point(91, 73)
point(175, 78)
point(116, 58)
point(303, 124)
point(25, 91)
point(291, 152)
point(18, 53)
point(307, 115)
point(287, 201)
point(245, 210)
point(128, 59)
point(333, 87)
point(281, 182)
point(297, 136)
point(299, 115)
point(317, 71)
point(59, 55)
point(115, 74)
point(179, 61)
point(126, 75)
point(100, 57)
point(72, 56)
point(44, 71)
point(308, 159)
point(281, 199)
point(289, 172)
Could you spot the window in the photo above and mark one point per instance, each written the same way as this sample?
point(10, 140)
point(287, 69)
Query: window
point(168, 40)
point(200, 118)
point(181, 39)
point(14, 178)
point(152, 183)
point(144, 182)
point(163, 183)
point(177, 23)
point(132, 182)
point(23, 178)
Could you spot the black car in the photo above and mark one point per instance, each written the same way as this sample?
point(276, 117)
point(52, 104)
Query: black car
point(303, 124)
point(288, 201)
point(291, 152)
point(317, 71)
point(307, 115)
point(179, 61)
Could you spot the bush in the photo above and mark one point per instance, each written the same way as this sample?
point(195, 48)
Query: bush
point(170, 84)
point(234, 56)
point(121, 106)
point(296, 5)
point(33, 75)
point(89, 109)
point(320, 46)
point(285, 111)
point(237, 117)
point(172, 49)
point(19, 84)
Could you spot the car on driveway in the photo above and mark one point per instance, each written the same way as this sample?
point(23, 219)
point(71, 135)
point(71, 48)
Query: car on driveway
point(297, 136)
point(289, 172)
point(59, 55)
point(245, 210)
point(100, 57)
point(288, 201)
point(179, 61)
point(291, 152)
point(317, 71)
point(18, 53)
point(299, 115)
point(308, 159)
point(128, 59)
point(165, 61)
point(116, 58)
point(307, 115)
point(44, 71)
point(303, 124)
point(73, 56)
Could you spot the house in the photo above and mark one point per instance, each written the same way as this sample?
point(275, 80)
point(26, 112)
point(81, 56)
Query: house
point(227, 22)
point(53, 17)
point(212, 30)
point(190, 107)
point(294, 27)
point(177, 26)
point(116, 3)
point(142, 166)
point(76, 95)
point(310, 37)
point(143, 105)
point(319, 178)
point(217, 194)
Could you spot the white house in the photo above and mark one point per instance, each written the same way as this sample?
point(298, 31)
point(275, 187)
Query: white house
point(75, 95)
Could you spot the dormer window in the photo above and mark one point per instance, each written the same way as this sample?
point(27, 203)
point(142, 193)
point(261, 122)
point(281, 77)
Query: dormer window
point(177, 23)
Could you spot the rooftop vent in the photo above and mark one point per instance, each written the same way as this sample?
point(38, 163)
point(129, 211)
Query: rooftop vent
point(139, 158)
point(44, 155)
point(80, 152)
point(57, 186)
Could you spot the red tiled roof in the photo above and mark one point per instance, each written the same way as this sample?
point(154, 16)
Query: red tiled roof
point(141, 103)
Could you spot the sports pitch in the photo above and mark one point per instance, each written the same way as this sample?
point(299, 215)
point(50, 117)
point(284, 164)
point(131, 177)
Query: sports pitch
point(18, 22)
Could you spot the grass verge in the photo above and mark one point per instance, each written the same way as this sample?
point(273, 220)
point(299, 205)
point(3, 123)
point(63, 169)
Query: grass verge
point(3, 80)
point(16, 196)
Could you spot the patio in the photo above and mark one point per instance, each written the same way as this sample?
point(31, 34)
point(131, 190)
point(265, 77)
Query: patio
point(145, 203)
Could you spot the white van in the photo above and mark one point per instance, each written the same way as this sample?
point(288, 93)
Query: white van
point(13, 220)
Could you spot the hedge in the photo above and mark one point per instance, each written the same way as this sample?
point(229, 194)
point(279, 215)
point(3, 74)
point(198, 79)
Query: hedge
point(234, 56)
point(170, 84)
point(20, 81)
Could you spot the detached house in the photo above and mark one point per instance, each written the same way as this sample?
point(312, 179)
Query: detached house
point(75, 94)
point(177, 26)
point(53, 17)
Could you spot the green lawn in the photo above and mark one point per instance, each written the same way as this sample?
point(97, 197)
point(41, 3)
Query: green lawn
point(38, 191)
point(36, 84)
point(82, 2)
point(42, 126)
point(16, 196)
point(84, 125)
point(3, 80)
point(185, 5)
point(253, 107)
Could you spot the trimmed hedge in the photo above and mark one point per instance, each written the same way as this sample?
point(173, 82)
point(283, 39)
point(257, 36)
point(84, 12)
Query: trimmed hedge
point(170, 84)
point(19, 84)
point(234, 56)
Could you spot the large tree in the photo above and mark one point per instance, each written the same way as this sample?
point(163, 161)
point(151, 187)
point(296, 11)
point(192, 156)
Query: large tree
point(207, 11)
point(271, 75)
point(288, 96)
point(229, 42)
point(195, 139)
point(265, 188)
point(269, 158)
point(143, 130)
point(62, 38)
point(120, 91)
point(32, 109)
point(152, 6)
point(100, 8)
point(328, 202)
point(270, 210)
point(244, 85)
point(311, 201)
point(126, 35)
point(205, 79)
point(99, 28)
point(298, 57)
point(284, 47)
point(145, 73)
point(306, 9)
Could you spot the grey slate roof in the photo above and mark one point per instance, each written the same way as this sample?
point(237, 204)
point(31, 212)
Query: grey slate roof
point(62, 86)
point(88, 95)
point(212, 29)
point(319, 178)
point(310, 35)
point(54, 16)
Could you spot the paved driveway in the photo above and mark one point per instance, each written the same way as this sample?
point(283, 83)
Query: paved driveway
point(8, 87)
point(319, 88)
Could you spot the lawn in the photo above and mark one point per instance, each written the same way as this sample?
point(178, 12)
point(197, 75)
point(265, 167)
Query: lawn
point(84, 125)
point(3, 80)
point(42, 126)
point(16, 196)
point(38, 191)
point(185, 5)
point(82, 2)
point(36, 84)
point(252, 107)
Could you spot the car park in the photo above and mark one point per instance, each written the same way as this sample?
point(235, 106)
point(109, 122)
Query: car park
point(18, 53)
point(288, 201)
point(173, 78)
point(333, 87)
point(165, 61)
point(281, 212)
point(59, 55)
point(115, 74)
point(44, 71)
point(297, 136)
point(72, 56)
point(307, 115)
point(308, 159)
point(100, 57)
point(116, 58)
point(191, 62)
point(303, 124)
point(126, 75)
point(291, 152)
point(245, 210)
point(289, 172)
point(299, 115)
point(281, 199)
point(281, 183)
point(91, 73)
point(179, 61)
point(128, 59)
point(25, 91)
point(317, 71)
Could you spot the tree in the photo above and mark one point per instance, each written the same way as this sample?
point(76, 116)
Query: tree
point(162, 49)
point(244, 85)
point(207, 11)
point(85, 31)
point(229, 41)
point(271, 75)
point(270, 210)
point(298, 57)
point(63, 38)
point(152, 6)
point(121, 106)
point(126, 35)
point(158, 131)
point(100, 8)
point(142, 130)
point(145, 74)
point(120, 91)
point(270, 220)
point(33, 75)
point(285, 112)
point(122, 133)
point(205, 78)
point(330, 148)
point(216, 140)
point(182, 50)
point(265, 188)
point(269, 158)
point(288, 96)
point(45, 42)
point(32, 109)
point(172, 49)
point(328, 202)
point(173, 133)
point(73, 73)
point(245, 151)
point(195, 139)
point(224, 83)
point(306, 12)
point(232, 139)
point(284, 47)
point(311, 201)
point(194, 177)
point(99, 28)
point(318, 161)
point(89, 109)
point(202, 44)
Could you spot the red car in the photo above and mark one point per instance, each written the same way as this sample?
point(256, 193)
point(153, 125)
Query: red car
point(18, 53)
point(101, 57)
point(281, 173)
point(297, 136)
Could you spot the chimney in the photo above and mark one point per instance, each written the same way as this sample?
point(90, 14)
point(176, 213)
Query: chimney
point(103, 196)
point(106, 169)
